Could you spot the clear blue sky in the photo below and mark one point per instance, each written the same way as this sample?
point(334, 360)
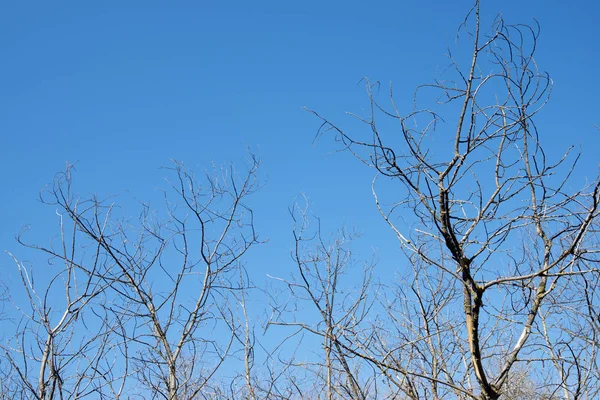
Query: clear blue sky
point(122, 87)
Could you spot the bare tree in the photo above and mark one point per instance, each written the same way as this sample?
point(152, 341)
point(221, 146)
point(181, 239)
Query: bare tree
point(502, 251)
point(321, 269)
point(165, 290)
point(64, 343)
point(496, 296)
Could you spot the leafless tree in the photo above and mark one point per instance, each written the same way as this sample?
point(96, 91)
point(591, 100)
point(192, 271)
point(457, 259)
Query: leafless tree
point(64, 342)
point(496, 296)
point(164, 290)
point(501, 252)
point(318, 284)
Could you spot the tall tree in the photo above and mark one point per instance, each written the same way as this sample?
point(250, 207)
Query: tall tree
point(502, 251)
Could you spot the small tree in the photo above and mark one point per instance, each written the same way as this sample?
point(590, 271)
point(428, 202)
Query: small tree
point(321, 267)
point(165, 294)
point(65, 341)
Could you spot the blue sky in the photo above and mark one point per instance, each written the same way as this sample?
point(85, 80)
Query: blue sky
point(123, 87)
